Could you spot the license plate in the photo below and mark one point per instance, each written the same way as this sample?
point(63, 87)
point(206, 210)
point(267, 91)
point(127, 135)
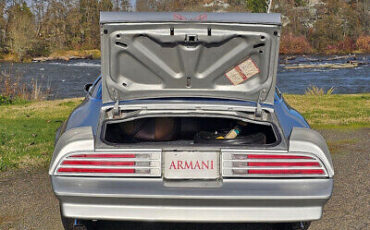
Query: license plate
point(191, 165)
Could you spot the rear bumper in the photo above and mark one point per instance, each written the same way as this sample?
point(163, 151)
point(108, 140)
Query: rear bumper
point(233, 200)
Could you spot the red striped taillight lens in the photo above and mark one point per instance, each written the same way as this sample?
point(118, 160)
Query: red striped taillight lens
point(140, 164)
point(250, 164)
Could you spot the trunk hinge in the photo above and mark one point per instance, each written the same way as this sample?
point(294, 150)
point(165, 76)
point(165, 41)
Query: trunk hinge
point(258, 112)
point(116, 109)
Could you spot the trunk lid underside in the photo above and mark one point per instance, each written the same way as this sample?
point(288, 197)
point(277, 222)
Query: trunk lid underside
point(211, 55)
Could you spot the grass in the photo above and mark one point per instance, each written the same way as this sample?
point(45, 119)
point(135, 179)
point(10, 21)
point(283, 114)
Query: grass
point(335, 111)
point(27, 129)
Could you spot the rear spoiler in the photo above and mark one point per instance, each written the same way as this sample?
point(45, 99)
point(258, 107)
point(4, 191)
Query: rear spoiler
point(247, 18)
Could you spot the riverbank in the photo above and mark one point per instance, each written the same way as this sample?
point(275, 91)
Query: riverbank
point(68, 55)
point(27, 129)
point(59, 55)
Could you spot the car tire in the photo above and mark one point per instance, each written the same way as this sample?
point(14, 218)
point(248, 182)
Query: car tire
point(293, 226)
point(69, 223)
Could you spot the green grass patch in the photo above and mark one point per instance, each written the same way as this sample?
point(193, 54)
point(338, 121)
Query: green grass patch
point(336, 111)
point(5, 100)
point(27, 129)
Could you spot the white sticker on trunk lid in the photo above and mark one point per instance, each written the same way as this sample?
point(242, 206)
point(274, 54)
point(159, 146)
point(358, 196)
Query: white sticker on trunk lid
point(242, 72)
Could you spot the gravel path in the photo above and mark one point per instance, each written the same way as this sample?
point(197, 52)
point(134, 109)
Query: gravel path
point(27, 201)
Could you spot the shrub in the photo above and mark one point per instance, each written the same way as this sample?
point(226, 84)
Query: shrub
point(291, 44)
point(363, 43)
point(5, 100)
point(39, 49)
point(341, 47)
point(347, 45)
point(10, 57)
point(14, 90)
point(316, 91)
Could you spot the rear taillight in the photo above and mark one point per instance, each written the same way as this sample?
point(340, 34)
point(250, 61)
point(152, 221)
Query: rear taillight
point(142, 164)
point(250, 164)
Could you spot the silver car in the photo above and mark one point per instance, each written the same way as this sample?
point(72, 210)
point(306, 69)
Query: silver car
point(185, 124)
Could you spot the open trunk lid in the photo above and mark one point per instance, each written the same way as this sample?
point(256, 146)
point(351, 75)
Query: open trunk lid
point(212, 55)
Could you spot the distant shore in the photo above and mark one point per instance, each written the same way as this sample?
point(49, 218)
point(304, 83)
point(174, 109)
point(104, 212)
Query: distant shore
point(68, 55)
point(60, 55)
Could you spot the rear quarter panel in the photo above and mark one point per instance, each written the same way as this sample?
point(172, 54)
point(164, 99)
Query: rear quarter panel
point(287, 116)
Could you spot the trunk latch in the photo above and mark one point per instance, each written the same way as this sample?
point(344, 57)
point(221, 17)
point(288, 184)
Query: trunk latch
point(191, 38)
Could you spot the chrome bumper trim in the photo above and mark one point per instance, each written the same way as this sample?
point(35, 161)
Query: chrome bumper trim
point(236, 200)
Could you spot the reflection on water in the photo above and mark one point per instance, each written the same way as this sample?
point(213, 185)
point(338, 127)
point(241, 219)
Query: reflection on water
point(67, 78)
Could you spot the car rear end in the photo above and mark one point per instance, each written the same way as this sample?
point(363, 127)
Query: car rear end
point(235, 199)
point(288, 180)
point(188, 129)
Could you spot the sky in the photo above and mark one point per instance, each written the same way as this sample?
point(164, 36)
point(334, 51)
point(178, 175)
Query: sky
point(133, 3)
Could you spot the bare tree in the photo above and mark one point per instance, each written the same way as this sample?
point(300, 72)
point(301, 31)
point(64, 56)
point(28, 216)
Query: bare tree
point(125, 5)
point(2, 24)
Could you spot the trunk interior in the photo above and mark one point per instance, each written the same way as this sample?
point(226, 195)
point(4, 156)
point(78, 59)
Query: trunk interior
point(189, 130)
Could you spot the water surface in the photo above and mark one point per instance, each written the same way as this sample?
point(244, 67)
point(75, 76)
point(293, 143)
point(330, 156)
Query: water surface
point(67, 78)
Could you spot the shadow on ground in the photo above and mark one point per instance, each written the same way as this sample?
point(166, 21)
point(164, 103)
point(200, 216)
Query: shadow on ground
point(183, 226)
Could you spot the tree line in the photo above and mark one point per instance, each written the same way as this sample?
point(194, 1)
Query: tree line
point(42, 26)
point(39, 27)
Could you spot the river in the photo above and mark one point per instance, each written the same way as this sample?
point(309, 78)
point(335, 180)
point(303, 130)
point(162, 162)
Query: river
point(67, 78)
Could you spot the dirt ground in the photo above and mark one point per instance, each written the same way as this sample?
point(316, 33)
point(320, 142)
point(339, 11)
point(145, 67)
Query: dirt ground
point(27, 201)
